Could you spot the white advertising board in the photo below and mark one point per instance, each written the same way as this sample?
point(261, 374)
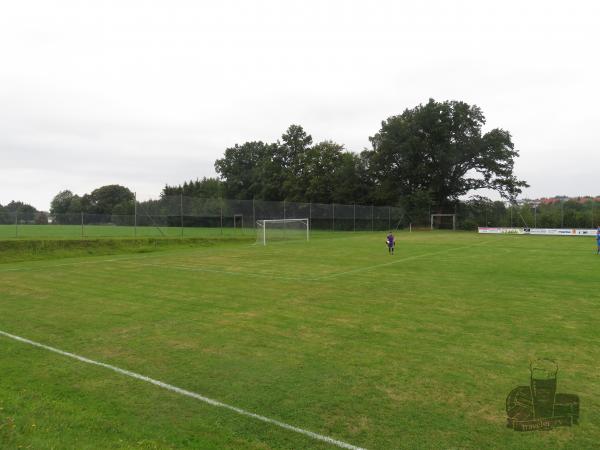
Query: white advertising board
point(539, 231)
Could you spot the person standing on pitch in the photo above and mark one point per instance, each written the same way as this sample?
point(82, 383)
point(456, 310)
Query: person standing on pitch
point(391, 243)
point(598, 239)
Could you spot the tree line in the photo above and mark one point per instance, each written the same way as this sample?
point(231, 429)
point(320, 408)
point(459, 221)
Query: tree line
point(425, 160)
point(428, 156)
point(16, 209)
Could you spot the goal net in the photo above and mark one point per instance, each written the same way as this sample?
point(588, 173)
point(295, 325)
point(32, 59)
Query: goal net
point(282, 229)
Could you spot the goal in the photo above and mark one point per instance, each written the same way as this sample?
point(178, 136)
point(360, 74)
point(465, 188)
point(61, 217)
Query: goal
point(443, 221)
point(282, 229)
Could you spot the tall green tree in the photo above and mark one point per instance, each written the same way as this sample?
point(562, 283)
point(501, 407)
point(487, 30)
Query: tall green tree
point(25, 211)
point(108, 199)
point(437, 152)
point(204, 188)
point(246, 169)
point(292, 153)
point(5, 217)
point(65, 202)
point(321, 171)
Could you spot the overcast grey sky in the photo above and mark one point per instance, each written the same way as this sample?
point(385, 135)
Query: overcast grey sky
point(144, 93)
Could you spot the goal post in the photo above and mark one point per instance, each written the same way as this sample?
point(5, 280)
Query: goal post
point(269, 230)
point(238, 221)
point(441, 217)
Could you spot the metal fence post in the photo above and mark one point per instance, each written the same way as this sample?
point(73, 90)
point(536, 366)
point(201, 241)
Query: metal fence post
point(284, 223)
point(333, 217)
point(134, 214)
point(181, 212)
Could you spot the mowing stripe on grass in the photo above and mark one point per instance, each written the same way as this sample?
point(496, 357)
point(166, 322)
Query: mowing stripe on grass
point(225, 272)
point(396, 261)
point(186, 393)
point(74, 263)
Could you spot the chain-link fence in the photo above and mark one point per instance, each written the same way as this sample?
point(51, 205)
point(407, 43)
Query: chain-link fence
point(182, 216)
point(173, 216)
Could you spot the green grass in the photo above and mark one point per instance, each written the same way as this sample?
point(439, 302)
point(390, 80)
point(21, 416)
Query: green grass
point(418, 350)
point(112, 231)
point(33, 250)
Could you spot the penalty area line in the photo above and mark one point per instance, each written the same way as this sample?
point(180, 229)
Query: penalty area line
point(186, 393)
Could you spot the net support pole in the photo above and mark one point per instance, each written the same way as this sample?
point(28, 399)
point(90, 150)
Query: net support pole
point(81, 224)
point(354, 219)
point(309, 212)
point(372, 219)
point(134, 214)
point(16, 224)
point(308, 230)
point(284, 222)
point(181, 212)
point(431, 218)
point(333, 217)
point(264, 233)
point(221, 214)
point(390, 218)
point(454, 222)
point(253, 214)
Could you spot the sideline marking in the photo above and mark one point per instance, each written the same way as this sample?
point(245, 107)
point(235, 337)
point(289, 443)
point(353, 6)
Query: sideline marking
point(186, 393)
point(408, 258)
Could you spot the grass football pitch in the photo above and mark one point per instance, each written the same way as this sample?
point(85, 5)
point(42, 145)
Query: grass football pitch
point(333, 337)
point(8, 232)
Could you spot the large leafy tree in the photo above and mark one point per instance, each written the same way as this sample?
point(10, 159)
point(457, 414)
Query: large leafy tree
point(292, 153)
point(4, 216)
point(321, 169)
point(269, 171)
point(332, 174)
point(109, 199)
point(24, 210)
point(437, 152)
point(242, 169)
point(291, 169)
point(65, 202)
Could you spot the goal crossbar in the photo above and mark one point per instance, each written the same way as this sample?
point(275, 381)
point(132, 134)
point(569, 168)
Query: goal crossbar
point(433, 216)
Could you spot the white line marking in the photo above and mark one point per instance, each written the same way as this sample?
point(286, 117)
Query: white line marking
point(396, 261)
point(186, 393)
